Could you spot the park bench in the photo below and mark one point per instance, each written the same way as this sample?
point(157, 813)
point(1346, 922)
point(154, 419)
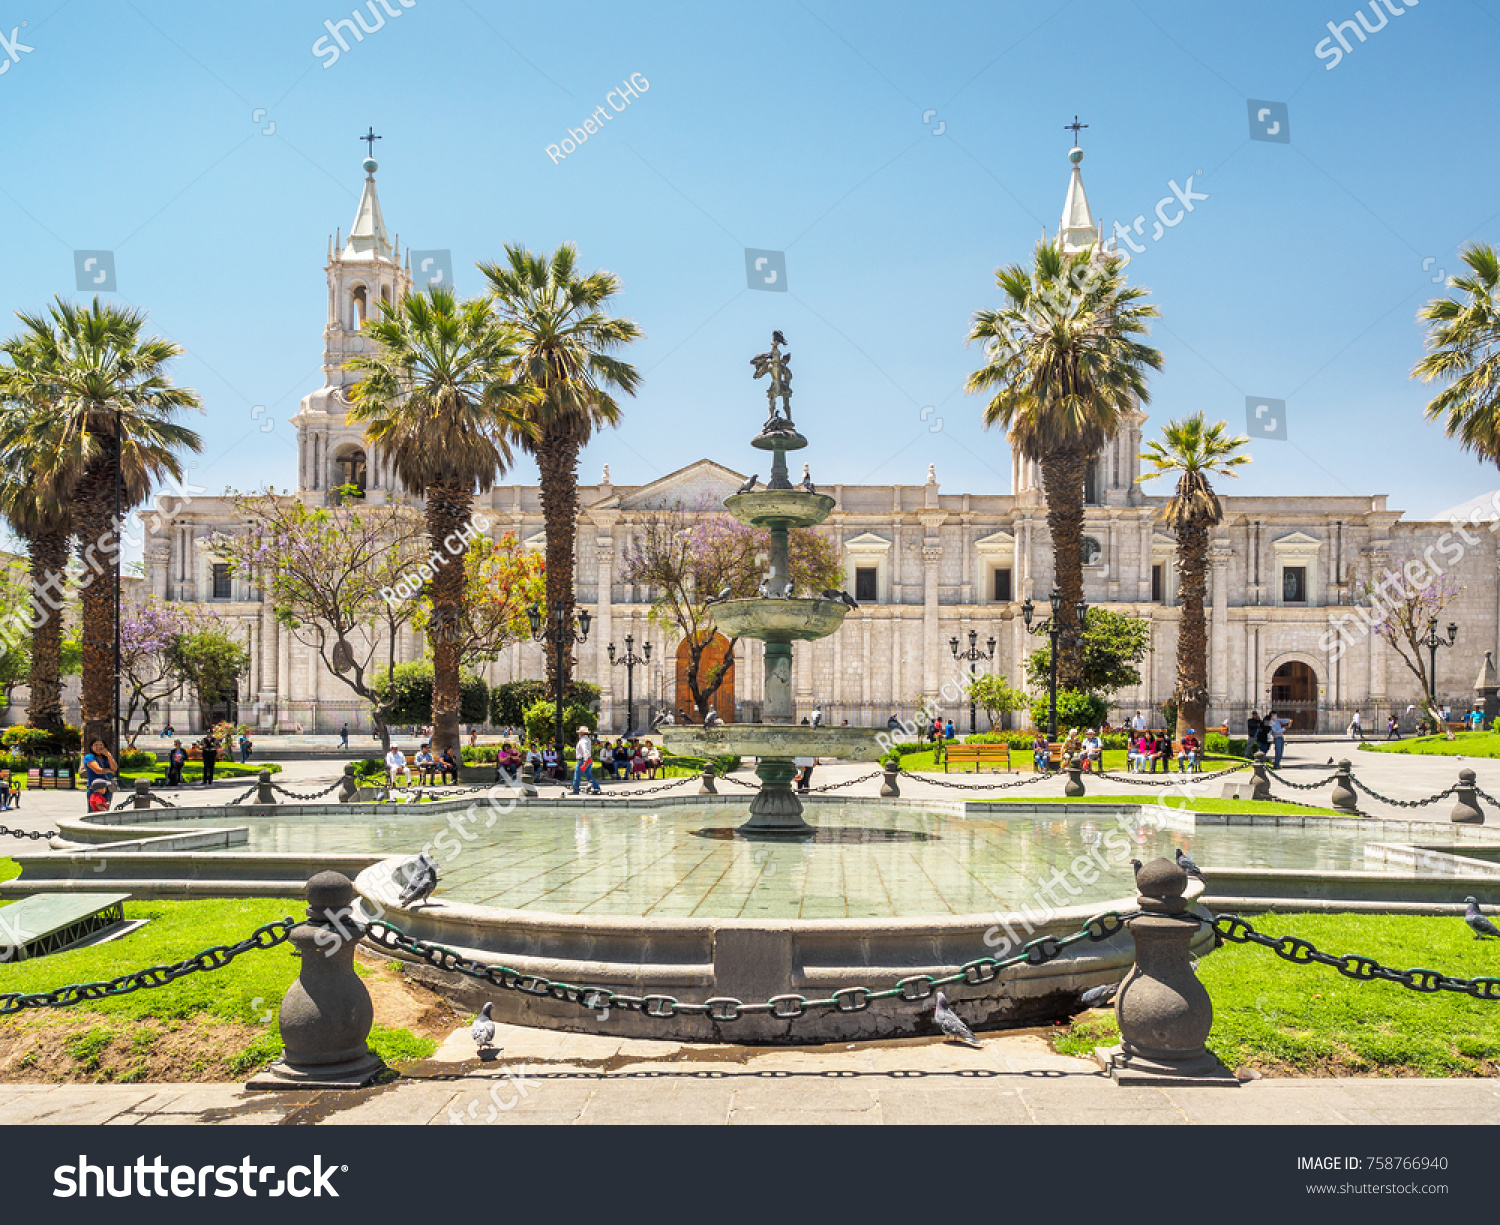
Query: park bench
point(991, 756)
point(50, 922)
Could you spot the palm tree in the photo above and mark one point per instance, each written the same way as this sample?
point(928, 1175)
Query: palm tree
point(566, 343)
point(439, 401)
point(99, 413)
point(37, 512)
point(1066, 370)
point(1463, 345)
point(1193, 450)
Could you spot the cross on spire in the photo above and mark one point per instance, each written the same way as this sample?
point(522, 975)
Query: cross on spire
point(371, 138)
point(1075, 127)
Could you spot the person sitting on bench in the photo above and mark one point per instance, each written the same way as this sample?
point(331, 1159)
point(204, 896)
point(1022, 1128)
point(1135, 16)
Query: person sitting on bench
point(1189, 757)
point(447, 764)
point(395, 763)
point(426, 765)
point(1040, 752)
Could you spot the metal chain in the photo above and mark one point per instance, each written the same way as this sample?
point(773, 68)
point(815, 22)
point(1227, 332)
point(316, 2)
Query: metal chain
point(243, 796)
point(727, 1008)
point(943, 782)
point(738, 782)
point(216, 958)
point(1351, 965)
point(34, 835)
point(1286, 782)
point(1487, 797)
point(863, 778)
point(316, 795)
point(1139, 781)
point(1432, 799)
point(150, 795)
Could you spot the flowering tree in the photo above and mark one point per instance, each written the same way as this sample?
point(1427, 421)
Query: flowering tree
point(686, 556)
point(337, 580)
point(503, 580)
point(147, 671)
point(1398, 607)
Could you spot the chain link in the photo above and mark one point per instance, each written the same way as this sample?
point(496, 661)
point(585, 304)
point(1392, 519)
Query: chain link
point(150, 795)
point(243, 796)
point(34, 835)
point(943, 782)
point(1487, 797)
point(316, 795)
point(727, 1008)
point(1286, 782)
point(1352, 965)
point(1139, 781)
point(215, 958)
point(1385, 799)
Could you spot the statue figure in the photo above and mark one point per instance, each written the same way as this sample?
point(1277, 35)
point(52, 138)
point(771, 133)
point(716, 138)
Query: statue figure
point(775, 364)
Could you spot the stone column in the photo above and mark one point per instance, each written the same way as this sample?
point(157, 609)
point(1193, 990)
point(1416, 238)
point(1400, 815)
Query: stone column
point(603, 634)
point(1218, 672)
point(932, 554)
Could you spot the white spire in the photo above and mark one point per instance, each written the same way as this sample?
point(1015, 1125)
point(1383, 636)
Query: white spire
point(1077, 230)
point(367, 237)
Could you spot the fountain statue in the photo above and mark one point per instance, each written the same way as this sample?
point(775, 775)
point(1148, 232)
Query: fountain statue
point(778, 616)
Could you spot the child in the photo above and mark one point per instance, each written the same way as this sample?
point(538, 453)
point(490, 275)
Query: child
point(9, 792)
point(99, 796)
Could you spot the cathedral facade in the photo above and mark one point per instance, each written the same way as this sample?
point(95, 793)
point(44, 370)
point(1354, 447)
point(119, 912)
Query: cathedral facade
point(926, 565)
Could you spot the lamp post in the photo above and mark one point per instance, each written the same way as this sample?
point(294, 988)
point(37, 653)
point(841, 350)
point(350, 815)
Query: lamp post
point(630, 659)
point(973, 655)
point(563, 635)
point(1432, 641)
point(1056, 631)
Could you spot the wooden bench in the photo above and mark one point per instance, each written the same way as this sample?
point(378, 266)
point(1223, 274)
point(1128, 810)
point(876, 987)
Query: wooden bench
point(50, 922)
point(994, 756)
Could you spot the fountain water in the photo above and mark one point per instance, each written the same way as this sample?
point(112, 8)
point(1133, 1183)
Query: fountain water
point(778, 616)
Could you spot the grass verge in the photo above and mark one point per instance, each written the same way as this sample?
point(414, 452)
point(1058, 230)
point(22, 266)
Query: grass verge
point(1308, 1020)
point(1274, 808)
point(1463, 744)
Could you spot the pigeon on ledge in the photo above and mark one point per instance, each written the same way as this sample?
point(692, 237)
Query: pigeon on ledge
point(807, 485)
point(1188, 866)
point(950, 1023)
point(843, 597)
point(483, 1029)
point(711, 719)
point(1478, 924)
point(1099, 997)
point(421, 879)
point(749, 485)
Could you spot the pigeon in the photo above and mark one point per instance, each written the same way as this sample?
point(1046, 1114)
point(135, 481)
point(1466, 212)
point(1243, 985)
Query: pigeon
point(712, 719)
point(1188, 866)
point(483, 1029)
point(948, 1021)
point(843, 597)
point(721, 597)
point(421, 879)
point(1478, 924)
point(1099, 997)
point(776, 337)
point(807, 484)
point(764, 591)
point(749, 485)
point(1135, 865)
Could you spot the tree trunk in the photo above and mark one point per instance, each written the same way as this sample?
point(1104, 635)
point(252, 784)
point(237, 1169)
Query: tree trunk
point(1062, 483)
point(1191, 693)
point(557, 462)
point(48, 556)
point(98, 550)
point(448, 515)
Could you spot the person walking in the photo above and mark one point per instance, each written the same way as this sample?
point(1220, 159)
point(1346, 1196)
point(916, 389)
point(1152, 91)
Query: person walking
point(583, 762)
point(176, 759)
point(245, 746)
point(344, 737)
point(804, 772)
point(1356, 732)
point(1392, 728)
point(1278, 736)
point(210, 749)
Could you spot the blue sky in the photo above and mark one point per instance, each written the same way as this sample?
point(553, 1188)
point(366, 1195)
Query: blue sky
point(213, 152)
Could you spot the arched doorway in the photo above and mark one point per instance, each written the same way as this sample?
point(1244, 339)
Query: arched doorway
point(708, 662)
point(1294, 695)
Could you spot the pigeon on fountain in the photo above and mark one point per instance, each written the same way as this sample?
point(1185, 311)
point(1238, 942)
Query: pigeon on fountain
point(749, 485)
point(1099, 997)
point(718, 599)
point(1188, 866)
point(1135, 865)
point(764, 591)
point(421, 879)
point(483, 1029)
point(1478, 924)
point(843, 597)
point(807, 485)
point(950, 1023)
point(712, 719)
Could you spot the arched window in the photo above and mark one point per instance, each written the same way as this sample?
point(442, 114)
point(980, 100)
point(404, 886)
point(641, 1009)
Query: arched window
point(361, 307)
point(349, 469)
point(1091, 484)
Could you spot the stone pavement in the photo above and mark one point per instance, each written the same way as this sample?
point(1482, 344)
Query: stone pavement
point(544, 1077)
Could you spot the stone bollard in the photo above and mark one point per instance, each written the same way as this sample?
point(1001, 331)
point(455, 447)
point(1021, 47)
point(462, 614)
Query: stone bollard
point(326, 1014)
point(263, 792)
point(141, 797)
point(1466, 810)
point(1344, 798)
point(707, 786)
point(1257, 787)
point(1074, 787)
point(890, 789)
point(1164, 1012)
point(349, 786)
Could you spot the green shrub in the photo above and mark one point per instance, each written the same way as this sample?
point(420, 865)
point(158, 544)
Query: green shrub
point(410, 694)
point(136, 759)
point(540, 721)
point(1074, 709)
point(1216, 745)
point(510, 702)
point(38, 742)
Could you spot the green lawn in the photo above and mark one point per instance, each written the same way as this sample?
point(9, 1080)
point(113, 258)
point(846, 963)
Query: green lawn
point(247, 992)
point(1020, 761)
point(1171, 800)
point(1300, 1020)
point(1463, 744)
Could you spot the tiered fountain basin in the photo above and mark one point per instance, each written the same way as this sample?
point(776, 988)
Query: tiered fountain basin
point(788, 620)
point(780, 508)
point(661, 895)
point(776, 740)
